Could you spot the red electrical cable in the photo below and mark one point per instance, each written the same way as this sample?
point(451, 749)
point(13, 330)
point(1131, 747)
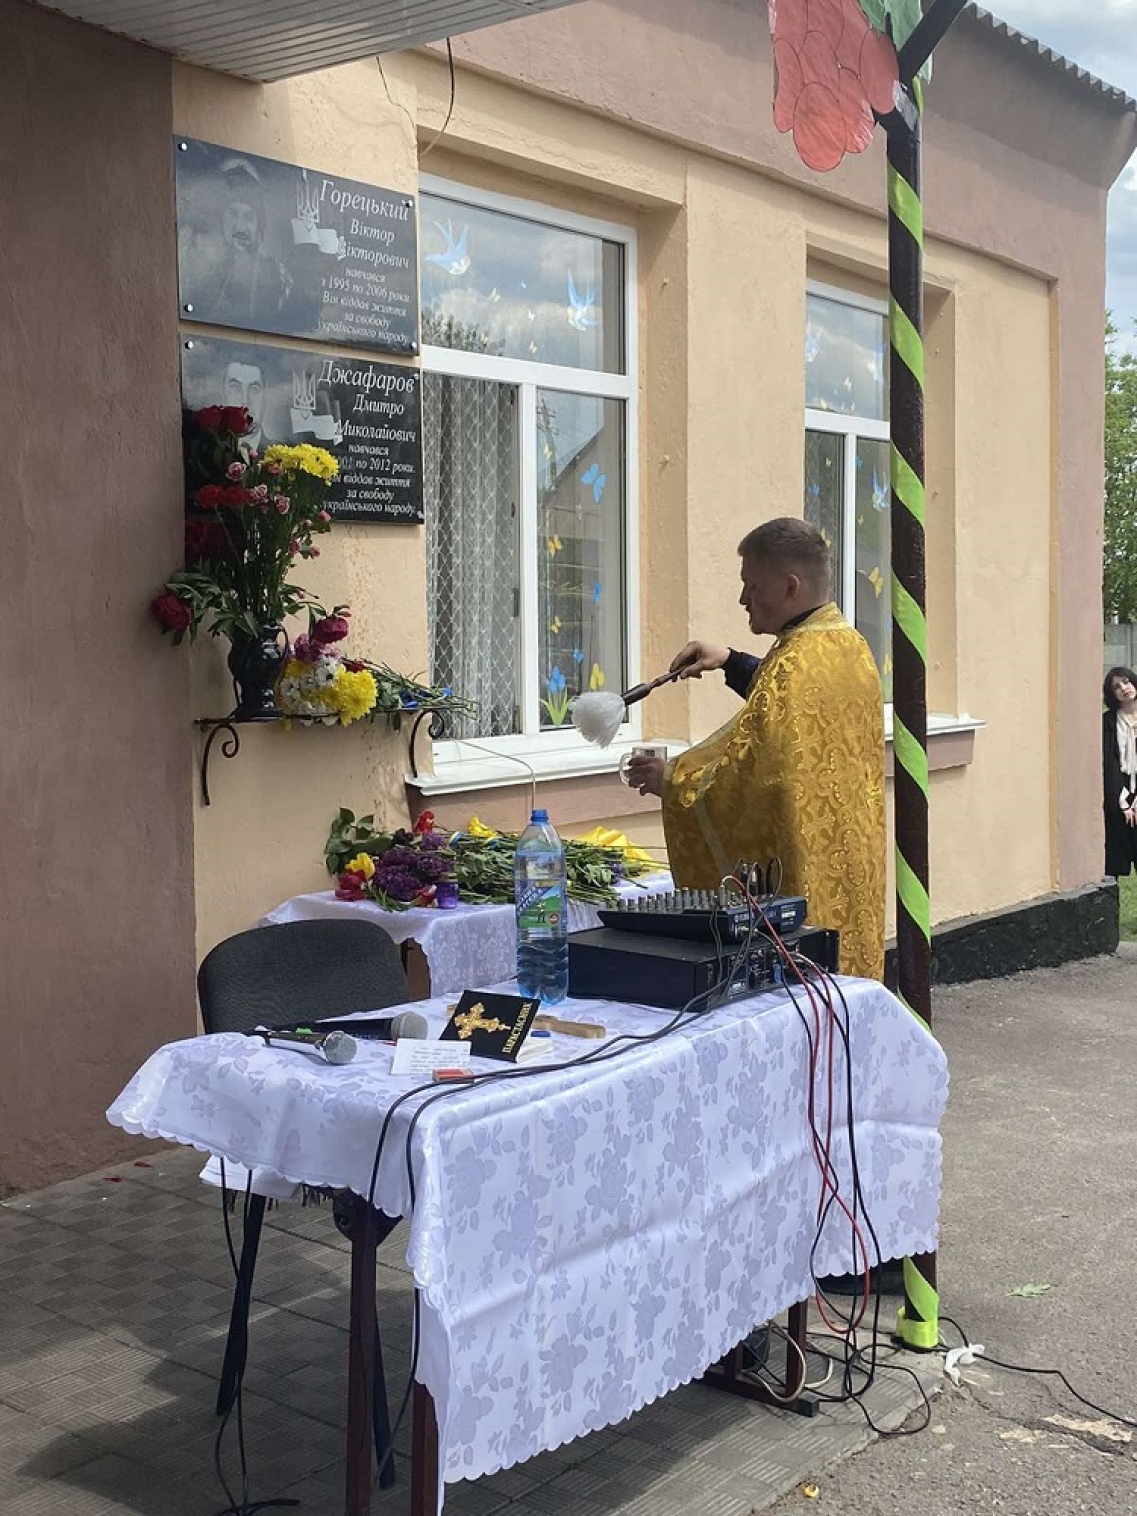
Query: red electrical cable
point(821, 1151)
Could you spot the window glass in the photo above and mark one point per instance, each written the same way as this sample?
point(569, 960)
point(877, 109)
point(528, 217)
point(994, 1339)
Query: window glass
point(513, 288)
point(846, 357)
point(580, 514)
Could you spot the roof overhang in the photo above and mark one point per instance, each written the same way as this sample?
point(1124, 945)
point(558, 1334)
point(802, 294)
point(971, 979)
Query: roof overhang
point(275, 39)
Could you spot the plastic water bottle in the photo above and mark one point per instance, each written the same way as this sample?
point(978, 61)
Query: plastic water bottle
point(541, 897)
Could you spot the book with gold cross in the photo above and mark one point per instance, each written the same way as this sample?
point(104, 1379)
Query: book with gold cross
point(495, 1026)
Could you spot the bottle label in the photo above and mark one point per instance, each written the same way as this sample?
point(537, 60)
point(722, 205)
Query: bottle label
point(540, 907)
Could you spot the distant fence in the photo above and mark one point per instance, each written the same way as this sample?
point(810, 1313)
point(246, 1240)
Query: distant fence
point(1120, 646)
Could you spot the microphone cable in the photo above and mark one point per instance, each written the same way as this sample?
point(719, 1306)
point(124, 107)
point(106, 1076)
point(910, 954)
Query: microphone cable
point(244, 1506)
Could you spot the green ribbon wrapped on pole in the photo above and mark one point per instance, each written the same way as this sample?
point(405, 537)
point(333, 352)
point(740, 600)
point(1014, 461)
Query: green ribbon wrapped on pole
point(885, 74)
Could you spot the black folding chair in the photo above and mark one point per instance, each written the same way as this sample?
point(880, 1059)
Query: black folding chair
point(278, 976)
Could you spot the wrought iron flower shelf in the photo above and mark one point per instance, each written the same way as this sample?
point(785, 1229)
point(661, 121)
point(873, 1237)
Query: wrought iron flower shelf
point(226, 727)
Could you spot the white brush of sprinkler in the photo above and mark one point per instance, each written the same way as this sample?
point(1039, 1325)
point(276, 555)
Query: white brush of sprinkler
point(599, 714)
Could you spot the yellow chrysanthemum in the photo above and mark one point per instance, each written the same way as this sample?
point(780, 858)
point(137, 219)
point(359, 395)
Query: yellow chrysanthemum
point(303, 458)
point(352, 695)
point(362, 863)
point(294, 669)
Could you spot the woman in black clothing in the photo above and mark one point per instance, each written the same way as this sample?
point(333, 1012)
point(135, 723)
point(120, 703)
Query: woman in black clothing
point(1119, 770)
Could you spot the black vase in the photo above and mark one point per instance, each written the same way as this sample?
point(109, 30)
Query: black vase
point(256, 663)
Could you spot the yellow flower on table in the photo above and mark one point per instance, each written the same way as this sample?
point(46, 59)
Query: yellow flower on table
point(604, 836)
point(480, 830)
point(362, 863)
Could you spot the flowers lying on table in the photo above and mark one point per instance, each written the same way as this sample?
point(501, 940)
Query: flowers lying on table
point(403, 865)
point(412, 868)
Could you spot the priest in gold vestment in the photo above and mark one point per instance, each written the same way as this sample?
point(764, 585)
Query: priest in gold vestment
point(798, 774)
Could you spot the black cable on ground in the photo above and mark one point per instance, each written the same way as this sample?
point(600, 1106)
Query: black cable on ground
point(1022, 1368)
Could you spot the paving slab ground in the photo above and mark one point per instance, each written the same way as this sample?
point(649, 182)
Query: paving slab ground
point(115, 1290)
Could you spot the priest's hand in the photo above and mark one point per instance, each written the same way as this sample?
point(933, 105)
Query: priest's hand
point(699, 658)
point(645, 774)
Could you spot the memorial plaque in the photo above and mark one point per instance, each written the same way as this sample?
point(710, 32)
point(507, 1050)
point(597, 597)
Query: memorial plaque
point(368, 414)
point(271, 247)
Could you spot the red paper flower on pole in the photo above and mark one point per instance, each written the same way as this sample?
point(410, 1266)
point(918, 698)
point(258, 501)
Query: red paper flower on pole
point(832, 71)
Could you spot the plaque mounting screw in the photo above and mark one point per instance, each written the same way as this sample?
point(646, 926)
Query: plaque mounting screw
point(183, 147)
point(188, 308)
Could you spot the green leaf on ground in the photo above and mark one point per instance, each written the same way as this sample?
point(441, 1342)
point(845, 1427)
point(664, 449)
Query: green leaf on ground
point(1030, 1291)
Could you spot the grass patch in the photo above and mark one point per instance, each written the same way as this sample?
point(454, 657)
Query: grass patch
point(1128, 890)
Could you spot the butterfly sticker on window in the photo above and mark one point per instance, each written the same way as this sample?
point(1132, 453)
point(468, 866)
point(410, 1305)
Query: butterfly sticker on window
point(881, 493)
point(554, 544)
point(599, 482)
point(580, 307)
point(596, 593)
point(454, 259)
point(555, 625)
point(876, 579)
point(578, 655)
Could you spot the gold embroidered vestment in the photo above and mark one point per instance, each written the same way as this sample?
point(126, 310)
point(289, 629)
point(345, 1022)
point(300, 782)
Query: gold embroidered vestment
point(798, 774)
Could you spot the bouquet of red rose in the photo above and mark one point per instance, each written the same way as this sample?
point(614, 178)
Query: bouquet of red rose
point(249, 517)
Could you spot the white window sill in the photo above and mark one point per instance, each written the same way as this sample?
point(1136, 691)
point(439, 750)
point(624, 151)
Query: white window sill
point(939, 725)
point(490, 771)
point(484, 770)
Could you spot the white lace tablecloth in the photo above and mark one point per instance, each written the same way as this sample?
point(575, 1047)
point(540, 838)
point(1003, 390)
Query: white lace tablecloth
point(586, 1240)
point(469, 947)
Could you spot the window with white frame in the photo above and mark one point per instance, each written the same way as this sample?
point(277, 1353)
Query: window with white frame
point(529, 423)
point(847, 489)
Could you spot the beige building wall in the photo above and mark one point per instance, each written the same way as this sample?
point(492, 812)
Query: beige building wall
point(725, 250)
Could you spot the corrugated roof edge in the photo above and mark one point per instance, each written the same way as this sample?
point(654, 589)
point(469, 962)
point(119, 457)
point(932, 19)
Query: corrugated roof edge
point(1073, 70)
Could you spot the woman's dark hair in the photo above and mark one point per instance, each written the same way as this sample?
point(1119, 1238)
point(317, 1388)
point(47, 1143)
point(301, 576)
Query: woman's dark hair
point(1107, 688)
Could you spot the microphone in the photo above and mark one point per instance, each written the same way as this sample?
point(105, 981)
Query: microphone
point(333, 1046)
point(384, 1028)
